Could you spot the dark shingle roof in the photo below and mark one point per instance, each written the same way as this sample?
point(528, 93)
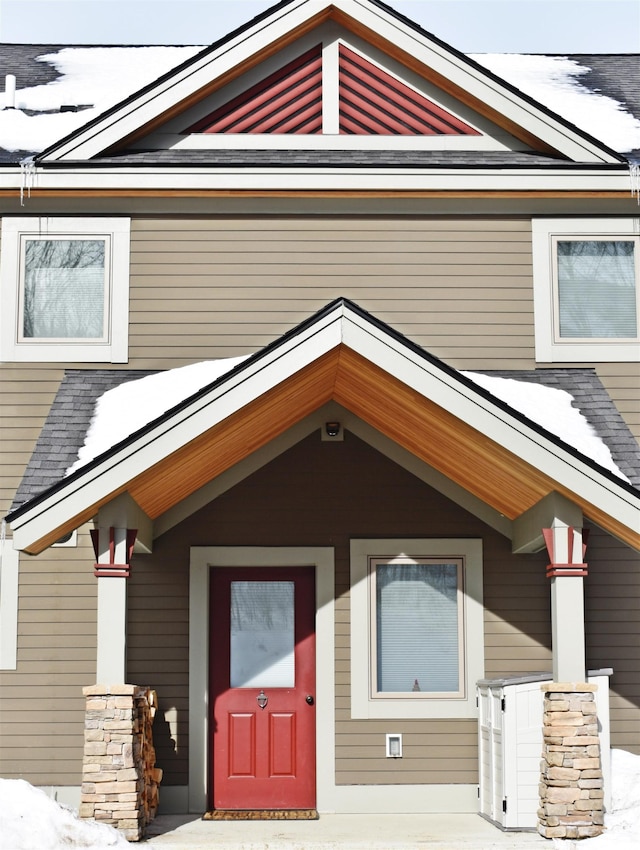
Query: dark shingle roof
point(66, 425)
point(329, 159)
point(614, 75)
point(70, 415)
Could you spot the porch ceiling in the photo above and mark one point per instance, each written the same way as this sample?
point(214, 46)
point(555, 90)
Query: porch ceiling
point(477, 463)
point(340, 355)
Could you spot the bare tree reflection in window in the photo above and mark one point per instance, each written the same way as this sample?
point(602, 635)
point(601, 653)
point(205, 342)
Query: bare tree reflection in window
point(64, 289)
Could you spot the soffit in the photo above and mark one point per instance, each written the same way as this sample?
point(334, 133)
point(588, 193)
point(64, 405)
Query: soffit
point(472, 460)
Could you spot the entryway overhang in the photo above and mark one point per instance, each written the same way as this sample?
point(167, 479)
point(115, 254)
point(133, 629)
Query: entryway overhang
point(341, 355)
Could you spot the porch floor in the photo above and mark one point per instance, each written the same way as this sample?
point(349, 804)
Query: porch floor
point(347, 832)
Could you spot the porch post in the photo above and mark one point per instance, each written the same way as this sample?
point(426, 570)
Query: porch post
point(113, 548)
point(566, 547)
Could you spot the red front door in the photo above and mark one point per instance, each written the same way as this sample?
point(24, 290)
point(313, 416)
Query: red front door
point(263, 687)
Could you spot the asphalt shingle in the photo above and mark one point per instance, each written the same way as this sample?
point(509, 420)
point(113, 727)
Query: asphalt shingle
point(70, 415)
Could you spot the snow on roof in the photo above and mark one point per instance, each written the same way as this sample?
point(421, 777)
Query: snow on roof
point(95, 76)
point(552, 410)
point(103, 76)
point(555, 82)
point(148, 398)
point(145, 400)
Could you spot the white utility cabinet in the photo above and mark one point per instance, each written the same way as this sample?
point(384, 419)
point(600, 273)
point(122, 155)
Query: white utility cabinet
point(510, 745)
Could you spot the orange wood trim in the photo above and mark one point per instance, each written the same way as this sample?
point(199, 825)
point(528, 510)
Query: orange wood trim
point(43, 194)
point(491, 472)
point(194, 465)
point(442, 82)
point(222, 80)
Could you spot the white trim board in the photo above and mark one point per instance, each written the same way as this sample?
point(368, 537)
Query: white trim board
point(341, 324)
point(202, 560)
point(195, 76)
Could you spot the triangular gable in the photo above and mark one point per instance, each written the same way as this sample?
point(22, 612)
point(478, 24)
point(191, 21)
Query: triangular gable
point(477, 90)
point(340, 355)
point(373, 101)
point(370, 101)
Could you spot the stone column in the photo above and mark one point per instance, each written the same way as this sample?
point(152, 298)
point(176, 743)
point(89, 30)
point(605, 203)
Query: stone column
point(571, 783)
point(119, 778)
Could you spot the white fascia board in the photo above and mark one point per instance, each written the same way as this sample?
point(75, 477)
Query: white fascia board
point(370, 179)
point(449, 392)
point(463, 74)
point(138, 111)
point(149, 105)
point(138, 455)
point(330, 142)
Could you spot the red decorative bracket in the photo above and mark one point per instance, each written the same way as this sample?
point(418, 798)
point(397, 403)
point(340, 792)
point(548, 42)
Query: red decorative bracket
point(111, 569)
point(554, 569)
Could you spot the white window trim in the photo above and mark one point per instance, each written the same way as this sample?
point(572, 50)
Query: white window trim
point(116, 348)
point(9, 566)
point(363, 706)
point(548, 349)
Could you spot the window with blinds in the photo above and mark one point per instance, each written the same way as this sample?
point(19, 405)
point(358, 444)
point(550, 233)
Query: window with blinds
point(596, 286)
point(65, 290)
point(417, 622)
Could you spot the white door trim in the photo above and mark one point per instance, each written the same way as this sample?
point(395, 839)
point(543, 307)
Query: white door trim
point(201, 560)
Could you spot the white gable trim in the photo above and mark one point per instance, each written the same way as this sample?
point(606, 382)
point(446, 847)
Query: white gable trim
point(187, 81)
point(340, 324)
point(322, 181)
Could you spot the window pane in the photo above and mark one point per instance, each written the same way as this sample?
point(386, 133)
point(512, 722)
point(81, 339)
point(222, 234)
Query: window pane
point(597, 289)
point(262, 634)
point(417, 635)
point(64, 289)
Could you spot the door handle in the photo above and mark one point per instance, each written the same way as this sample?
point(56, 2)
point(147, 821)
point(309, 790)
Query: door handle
point(309, 699)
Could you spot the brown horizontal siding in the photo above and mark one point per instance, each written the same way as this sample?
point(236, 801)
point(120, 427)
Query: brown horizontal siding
point(227, 287)
point(622, 381)
point(612, 602)
point(26, 393)
point(42, 717)
point(158, 657)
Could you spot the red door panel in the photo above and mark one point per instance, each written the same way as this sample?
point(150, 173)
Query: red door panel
point(263, 757)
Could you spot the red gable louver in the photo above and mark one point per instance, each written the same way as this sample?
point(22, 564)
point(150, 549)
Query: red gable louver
point(287, 101)
point(374, 102)
point(371, 102)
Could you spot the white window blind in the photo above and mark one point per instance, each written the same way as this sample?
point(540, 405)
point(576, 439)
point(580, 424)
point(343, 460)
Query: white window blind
point(596, 283)
point(417, 621)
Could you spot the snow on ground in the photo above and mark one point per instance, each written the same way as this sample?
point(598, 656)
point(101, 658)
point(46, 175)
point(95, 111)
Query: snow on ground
point(30, 820)
point(145, 400)
point(103, 76)
point(623, 823)
point(555, 82)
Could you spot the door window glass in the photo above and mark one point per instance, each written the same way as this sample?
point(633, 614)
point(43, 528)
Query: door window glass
point(262, 634)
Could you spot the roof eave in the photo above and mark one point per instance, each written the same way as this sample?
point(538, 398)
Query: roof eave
point(327, 358)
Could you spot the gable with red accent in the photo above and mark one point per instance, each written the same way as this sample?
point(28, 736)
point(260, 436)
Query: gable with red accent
point(371, 101)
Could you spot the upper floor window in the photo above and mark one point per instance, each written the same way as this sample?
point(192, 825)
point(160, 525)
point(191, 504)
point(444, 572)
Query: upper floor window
point(586, 289)
point(65, 289)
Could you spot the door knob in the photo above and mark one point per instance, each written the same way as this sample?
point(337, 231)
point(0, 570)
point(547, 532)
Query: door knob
point(309, 699)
